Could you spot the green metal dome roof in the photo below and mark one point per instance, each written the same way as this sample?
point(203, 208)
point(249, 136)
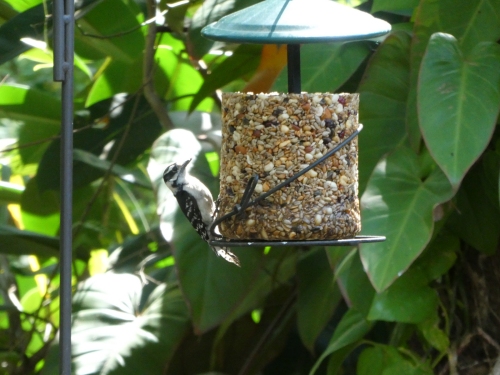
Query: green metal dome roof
point(296, 22)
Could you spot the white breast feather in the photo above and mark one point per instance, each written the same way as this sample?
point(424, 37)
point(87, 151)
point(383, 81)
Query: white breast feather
point(203, 196)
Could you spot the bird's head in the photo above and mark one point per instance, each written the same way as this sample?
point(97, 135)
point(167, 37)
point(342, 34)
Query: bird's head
point(174, 174)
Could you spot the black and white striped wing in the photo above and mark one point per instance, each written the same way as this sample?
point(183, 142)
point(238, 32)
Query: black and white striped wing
point(190, 209)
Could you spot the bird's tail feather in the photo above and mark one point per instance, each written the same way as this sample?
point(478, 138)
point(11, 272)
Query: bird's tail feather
point(227, 255)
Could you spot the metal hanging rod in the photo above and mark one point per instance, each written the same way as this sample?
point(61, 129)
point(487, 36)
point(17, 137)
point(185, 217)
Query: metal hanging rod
point(63, 14)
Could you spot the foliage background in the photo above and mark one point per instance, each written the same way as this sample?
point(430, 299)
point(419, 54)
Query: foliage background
point(151, 298)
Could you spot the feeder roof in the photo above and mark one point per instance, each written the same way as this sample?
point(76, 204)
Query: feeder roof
point(296, 22)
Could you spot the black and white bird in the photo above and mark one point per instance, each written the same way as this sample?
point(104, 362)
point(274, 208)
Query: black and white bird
point(196, 202)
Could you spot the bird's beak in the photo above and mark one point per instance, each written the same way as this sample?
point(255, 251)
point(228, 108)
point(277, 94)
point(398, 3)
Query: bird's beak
point(184, 165)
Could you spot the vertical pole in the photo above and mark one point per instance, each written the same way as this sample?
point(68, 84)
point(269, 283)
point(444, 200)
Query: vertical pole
point(293, 57)
point(63, 71)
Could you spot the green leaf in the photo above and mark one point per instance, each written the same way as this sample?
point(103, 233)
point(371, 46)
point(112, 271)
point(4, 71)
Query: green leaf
point(143, 131)
point(325, 67)
point(112, 334)
point(386, 360)
point(40, 114)
point(407, 300)
point(244, 60)
point(26, 104)
point(433, 334)
point(22, 5)
point(337, 359)
point(46, 58)
point(318, 296)
point(476, 216)
point(394, 6)
point(115, 78)
point(28, 24)
point(350, 329)
point(382, 108)
point(22, 242)
point(426, 23)
point(10, 193)
point(398, 203)
point(121, 39)
point(184, 80)
point(473, 22)
point(355, 285)
point(459, 101)
point(124, 173)
point(438, 257)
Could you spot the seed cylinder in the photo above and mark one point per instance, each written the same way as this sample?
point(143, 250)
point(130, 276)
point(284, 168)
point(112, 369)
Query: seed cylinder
point(276, 136)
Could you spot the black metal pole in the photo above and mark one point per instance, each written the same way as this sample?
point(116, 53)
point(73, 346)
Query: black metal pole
point(63, 71)
point(293, 56)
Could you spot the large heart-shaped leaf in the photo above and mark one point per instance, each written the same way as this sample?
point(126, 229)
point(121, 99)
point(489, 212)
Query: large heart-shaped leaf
point(398, 203)
point(458, 102)
point(113, 334)
point(383, 91)
point(471, 23)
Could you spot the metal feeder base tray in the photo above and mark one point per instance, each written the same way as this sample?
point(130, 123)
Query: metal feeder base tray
point(342, 242)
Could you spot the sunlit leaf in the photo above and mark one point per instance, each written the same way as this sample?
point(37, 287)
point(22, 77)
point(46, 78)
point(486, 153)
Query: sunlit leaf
point(10, 193)
point(113, 334)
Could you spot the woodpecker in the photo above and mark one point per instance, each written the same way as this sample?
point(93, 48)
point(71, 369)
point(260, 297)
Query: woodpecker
point(196, 203)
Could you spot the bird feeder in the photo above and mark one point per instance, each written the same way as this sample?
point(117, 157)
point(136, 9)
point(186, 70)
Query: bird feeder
point(289, 161)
